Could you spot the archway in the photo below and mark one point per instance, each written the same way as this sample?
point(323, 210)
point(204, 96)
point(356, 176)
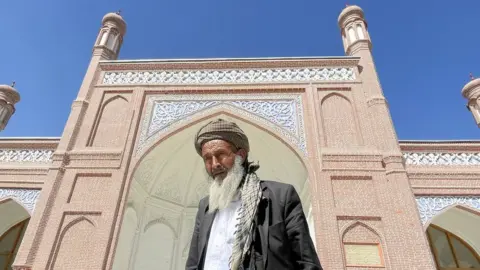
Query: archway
point(168, 184)
point(13, 223)
point(454, 239)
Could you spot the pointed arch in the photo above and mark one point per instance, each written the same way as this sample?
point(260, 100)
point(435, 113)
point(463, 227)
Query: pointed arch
point(335, 94)
point(448, 208)
point(163, 156)
point(111, 118)
point(10, 242)
point(213, 112)
point(66, 244)
point(156, 248)
point(358, 237)
point(431, 206)
point(356, 223)
point(447, 247)
point(27, 198)
point(16, 201)
point(11, 213)
point(76, 221)
point(460, 220)
point(130, 229)
point(163, 221)
point(340, 124)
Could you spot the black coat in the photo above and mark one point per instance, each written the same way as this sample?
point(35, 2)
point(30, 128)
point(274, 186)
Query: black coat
point(282, 237)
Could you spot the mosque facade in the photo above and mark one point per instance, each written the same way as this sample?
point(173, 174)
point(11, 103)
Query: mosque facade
point(120, 188)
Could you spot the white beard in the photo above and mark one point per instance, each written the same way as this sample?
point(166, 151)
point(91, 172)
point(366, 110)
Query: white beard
point(223, 191)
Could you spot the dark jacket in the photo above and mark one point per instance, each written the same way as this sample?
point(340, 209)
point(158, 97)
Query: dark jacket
point(282, 237)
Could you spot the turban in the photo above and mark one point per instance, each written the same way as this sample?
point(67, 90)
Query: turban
point(221, 130)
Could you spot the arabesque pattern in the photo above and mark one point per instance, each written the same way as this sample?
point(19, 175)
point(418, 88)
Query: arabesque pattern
point(430, 206)
point(27, 197)
point(442, 159)
point(26, 155)
point(281, 112)
point(230, 76)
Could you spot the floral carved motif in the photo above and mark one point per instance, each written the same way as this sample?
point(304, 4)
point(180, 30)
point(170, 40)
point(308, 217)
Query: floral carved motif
point(281, 112)
point(442, 159)
point(430, 206)
point(26, 155)
point(27, 197)
point(230, 76)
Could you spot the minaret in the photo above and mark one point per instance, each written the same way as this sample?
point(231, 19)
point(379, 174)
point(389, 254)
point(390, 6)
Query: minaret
point(8, 98)
point(110, 37)
point(107, 47)
point(357, 42)
point(471, 91)
point(354, 30)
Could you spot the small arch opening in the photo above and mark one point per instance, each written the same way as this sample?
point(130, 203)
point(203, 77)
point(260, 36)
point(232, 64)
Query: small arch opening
point(454, 239)
point(13, 223)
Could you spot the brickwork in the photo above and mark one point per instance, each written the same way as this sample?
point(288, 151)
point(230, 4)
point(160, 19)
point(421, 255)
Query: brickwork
point(333, 121)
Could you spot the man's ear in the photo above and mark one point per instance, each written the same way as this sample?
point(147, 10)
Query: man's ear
point(242, 153)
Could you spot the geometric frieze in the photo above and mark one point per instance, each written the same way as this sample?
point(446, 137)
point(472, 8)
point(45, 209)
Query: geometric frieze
point(26, 155)
point(26, 197)
point(281, 112)
point(430, 206)
point(229, 76)
point(442, 159)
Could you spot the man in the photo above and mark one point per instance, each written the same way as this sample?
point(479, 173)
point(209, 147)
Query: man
point(245, 223)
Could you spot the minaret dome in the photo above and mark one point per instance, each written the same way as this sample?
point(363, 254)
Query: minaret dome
point(471, 91)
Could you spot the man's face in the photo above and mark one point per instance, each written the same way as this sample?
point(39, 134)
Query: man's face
point(219, 157)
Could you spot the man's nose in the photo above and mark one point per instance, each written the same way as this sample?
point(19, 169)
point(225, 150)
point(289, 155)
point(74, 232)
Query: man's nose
point(215, 164)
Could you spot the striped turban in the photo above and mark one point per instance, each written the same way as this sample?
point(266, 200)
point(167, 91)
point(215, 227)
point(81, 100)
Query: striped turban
point(221, 130)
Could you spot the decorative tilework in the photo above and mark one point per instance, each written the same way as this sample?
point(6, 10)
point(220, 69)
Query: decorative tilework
point(281, 112)
point(27, 197)
point(442, 159)
point(430, 206)
point(26, 155)
point(230, 76)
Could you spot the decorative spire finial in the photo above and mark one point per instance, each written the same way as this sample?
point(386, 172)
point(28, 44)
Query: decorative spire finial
point(13, 84)
point(471, 77)
point(118, 12)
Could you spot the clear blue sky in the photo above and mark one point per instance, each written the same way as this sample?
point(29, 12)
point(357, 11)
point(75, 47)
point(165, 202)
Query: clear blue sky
point(424, 50)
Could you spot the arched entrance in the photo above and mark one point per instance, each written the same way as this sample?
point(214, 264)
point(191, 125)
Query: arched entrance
point(13, 223)
point(168, 184)
point(454, 239)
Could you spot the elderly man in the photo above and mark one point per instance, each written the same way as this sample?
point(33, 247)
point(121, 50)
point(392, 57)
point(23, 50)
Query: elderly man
point(245, 223)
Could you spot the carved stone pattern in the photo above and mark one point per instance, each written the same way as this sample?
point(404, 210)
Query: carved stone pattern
point(167, 112)
point(230, 76)
point(283, 113)
point(442, 159)
point(169, 189)
point(27, 197)
point(429, 206)
point(280, 112)
point(26, 155)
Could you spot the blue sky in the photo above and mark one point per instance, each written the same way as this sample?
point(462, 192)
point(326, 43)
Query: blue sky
point(424, 50)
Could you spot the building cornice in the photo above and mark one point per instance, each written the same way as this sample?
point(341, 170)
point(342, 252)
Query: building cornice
point(440, 146)
point(229, 63)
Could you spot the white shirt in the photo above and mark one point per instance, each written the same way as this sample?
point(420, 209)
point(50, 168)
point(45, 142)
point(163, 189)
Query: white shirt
point(220, 243)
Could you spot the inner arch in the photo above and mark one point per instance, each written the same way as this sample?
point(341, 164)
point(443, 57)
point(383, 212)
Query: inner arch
point(14, 219)
point(170, 180)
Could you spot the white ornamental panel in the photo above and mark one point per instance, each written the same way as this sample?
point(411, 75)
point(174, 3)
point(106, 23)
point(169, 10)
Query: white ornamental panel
point(26, 197)
point(230, 76)
point(280, 112)
point(430, 206)
point(442, 159)
point(26, 155)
